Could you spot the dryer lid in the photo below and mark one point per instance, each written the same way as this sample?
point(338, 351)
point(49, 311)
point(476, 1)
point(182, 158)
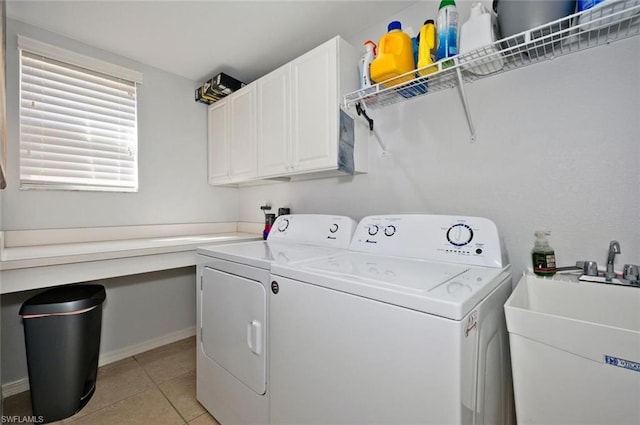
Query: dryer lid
point(262, 253)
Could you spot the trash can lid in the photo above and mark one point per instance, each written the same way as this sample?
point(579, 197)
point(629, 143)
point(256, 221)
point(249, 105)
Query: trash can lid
point(64, 299)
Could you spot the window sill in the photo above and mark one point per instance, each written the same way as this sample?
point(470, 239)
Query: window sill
point(34, 259)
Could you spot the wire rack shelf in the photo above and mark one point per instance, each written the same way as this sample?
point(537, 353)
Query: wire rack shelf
point(605, 23)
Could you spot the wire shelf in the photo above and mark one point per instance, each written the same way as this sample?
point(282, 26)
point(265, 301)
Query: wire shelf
point(603, 24)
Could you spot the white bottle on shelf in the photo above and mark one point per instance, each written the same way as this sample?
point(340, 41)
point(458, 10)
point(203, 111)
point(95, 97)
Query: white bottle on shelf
point(478, 32)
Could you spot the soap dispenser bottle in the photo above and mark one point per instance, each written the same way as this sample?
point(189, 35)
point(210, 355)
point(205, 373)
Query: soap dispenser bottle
point(543, 256)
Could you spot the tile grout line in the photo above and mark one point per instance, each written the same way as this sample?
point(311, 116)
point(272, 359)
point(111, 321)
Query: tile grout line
point(71, 420)
point(185, 422)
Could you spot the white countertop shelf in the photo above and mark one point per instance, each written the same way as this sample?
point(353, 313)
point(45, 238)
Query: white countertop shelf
point(603, 24)
point(34, 259)
point(45, 255)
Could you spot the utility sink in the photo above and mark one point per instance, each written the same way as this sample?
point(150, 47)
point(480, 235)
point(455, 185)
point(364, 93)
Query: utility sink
point(575, 350)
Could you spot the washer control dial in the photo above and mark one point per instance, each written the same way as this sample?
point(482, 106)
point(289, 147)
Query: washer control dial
point(283, 225)
point(459, 234)
point(373, 229)
point(390, 230)
point(333, 228)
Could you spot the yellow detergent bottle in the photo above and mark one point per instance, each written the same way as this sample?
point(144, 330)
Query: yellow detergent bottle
point(427, 49)
point(395, 57)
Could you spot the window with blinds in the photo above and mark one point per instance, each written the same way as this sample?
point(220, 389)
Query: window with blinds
point(78, 126)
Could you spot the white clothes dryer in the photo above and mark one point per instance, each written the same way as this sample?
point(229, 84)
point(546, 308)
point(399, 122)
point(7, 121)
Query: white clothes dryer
point(406, 328)
point(233, 313)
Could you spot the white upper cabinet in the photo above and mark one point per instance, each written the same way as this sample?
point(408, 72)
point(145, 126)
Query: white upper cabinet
point(232, 138)
point(218, 140)
point(274, 131)
point(294, 130)
point(242, 121)
point(314, 103)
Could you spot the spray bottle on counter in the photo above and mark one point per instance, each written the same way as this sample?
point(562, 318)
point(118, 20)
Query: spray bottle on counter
point(269, 219)
point(543, 256)
point(364, 66)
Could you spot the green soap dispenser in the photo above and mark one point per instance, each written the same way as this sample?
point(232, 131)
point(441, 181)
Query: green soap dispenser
point(543, 256)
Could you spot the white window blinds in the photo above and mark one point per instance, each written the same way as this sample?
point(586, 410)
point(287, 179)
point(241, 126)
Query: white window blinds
point(78, 126)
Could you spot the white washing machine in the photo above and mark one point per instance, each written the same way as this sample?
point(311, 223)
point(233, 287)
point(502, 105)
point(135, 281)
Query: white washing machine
point(233, 312)
point(405, 328)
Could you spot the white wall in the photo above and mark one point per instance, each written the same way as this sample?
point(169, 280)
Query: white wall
point(172, 157)
point(557, 148)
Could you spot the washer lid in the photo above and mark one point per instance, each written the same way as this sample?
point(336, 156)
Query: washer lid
point(443, 289)
point(262, 254)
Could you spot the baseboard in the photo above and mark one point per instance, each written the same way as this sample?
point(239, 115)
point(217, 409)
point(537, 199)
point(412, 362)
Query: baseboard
point(21, 385)
point(15, 387)
point(132, 350)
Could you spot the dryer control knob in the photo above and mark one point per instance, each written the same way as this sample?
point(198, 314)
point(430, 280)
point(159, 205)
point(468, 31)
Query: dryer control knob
point(373, 229)
point(390, 230)
point(283, 225)
point(334, 228)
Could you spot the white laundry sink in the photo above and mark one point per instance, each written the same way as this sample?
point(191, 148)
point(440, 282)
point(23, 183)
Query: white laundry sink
point(575, 349)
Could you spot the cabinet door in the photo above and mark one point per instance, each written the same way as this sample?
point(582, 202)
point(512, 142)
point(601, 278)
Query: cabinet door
point(274, 123)
point(242, 141)
point(314, 108)
point(218, 141)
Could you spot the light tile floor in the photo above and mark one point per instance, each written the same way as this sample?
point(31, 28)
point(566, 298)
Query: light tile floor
point(156, 387)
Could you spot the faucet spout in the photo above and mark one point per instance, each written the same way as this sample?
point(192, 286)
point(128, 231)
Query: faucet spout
point(614, 248)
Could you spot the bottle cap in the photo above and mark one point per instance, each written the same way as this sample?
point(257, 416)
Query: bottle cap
point(372, 44)
point(394, 25)
point(541, 238)
point(477, 9)
point(445, 3)
point(429, 21)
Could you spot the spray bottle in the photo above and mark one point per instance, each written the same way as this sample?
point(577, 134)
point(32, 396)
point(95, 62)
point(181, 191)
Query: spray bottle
point(543, 256)
point(269, 219)
point(365, 64)
point(447, 30)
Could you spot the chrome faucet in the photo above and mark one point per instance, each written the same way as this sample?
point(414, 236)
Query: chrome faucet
point(614, 248)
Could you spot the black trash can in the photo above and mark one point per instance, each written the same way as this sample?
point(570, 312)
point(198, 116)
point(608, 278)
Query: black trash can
point(62, 336)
